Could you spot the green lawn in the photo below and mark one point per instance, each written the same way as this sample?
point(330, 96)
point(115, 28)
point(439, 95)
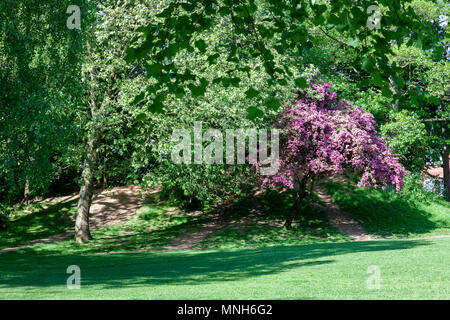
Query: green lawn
point(410, 269)
point(37, 221)
point(391, 214)
point(251, 257)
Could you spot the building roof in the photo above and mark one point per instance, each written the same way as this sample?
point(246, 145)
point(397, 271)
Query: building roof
point(434, 171)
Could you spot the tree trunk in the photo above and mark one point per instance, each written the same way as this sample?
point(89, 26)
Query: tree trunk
point(300, 196)
point(82, 232)
point(291, 215)
point(446, 169)
point(105, 179)
point(26, 193)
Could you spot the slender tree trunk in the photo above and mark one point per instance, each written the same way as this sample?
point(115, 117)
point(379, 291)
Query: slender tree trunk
point(291, 214)
point(300, 196)
point(82, 231)
point(394, 89)
point(26, 193)
point(105, 178)
point(446, 169)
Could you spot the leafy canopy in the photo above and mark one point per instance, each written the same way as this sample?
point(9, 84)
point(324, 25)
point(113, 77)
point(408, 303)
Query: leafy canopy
point(264, 28)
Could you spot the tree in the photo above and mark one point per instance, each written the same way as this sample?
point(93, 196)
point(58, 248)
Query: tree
point(323, 136)
point(406, 135)
point(105, 79)
point(39, 74)
point(219, 108)
point(273, 26)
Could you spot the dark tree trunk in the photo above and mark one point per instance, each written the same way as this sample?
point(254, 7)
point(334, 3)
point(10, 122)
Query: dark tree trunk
point(2, 224)
point(301, 194)
point(82, 231)
point(445, 167)
point(291, 214)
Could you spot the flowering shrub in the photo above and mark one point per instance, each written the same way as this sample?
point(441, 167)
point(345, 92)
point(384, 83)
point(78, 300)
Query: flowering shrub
point(321, 135)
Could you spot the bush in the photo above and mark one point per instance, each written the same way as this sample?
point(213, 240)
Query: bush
point(413, 189)
point(5, 211)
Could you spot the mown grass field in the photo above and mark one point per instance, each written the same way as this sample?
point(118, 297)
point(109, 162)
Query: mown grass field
point(252, 257)
point(410, 269)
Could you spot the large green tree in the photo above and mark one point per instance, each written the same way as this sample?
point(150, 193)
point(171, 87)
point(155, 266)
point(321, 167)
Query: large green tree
point(39, 76)
point(262, 28)
point(105, 79)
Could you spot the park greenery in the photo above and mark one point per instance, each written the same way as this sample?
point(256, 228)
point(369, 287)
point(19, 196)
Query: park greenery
point(359, 91)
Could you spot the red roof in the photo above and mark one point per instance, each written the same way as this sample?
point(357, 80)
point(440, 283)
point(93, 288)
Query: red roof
point(435, 172)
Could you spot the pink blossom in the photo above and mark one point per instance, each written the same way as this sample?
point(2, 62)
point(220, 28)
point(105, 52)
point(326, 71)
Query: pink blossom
point(320, 135)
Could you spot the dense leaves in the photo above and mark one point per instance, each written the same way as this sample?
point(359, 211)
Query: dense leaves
point(263, 29)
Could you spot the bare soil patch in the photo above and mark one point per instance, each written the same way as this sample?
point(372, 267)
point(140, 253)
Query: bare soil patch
point(108, 207)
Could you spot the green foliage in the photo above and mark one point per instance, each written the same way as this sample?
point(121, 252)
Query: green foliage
point(414, 191)
point(195, 185)
point(264, 29)
point(406, 135)
point(39, 74)
point(217, 108)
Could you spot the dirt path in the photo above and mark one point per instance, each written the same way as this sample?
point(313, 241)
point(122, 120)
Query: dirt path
point(218, 220)
point(108, 207)
point(338, 218)
point(187, 241)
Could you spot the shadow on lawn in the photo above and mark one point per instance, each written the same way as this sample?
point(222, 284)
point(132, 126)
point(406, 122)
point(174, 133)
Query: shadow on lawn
point(383, 213)
point(41, 224)
point(257, 220)
point(178, 267)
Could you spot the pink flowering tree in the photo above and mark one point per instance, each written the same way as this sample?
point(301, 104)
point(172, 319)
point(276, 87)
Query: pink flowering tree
point(323, 136)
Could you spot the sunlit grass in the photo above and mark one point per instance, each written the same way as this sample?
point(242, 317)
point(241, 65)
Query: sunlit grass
point(410, 269)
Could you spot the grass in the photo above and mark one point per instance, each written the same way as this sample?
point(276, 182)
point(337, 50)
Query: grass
point(259, 222)
point(37, 221)
point(248, 223)
point(159, 221)
point(393, 215)
point(153, 227)
point(410, 269)
point(250, 257)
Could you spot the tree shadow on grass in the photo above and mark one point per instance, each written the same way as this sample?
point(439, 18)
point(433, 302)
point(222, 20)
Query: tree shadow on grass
point(37, 225)
point(24, 268)
point(258, 220)
point(383, 213)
